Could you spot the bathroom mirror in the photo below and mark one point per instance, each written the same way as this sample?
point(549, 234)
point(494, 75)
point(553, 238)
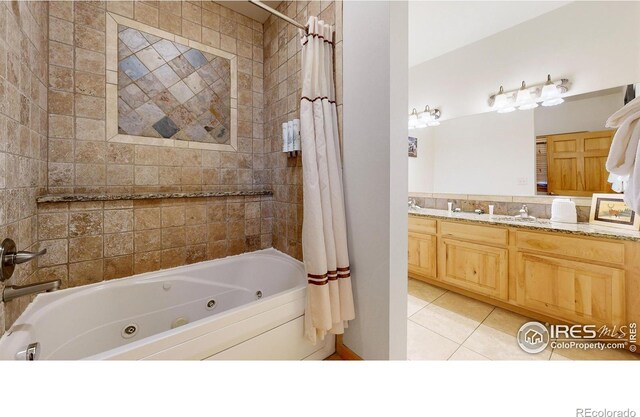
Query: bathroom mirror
point(553, 150)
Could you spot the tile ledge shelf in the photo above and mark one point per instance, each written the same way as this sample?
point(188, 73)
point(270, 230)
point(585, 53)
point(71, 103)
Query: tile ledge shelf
point(67, 198)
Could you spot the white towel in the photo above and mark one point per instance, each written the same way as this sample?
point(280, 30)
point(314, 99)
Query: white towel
point(617, 118)
point(632, 188)
point(624, 153)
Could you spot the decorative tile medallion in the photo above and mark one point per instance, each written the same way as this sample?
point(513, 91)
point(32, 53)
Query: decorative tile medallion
point(193, 86)
point(169, 90)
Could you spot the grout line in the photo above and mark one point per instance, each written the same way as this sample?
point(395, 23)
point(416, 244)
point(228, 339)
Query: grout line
point(435, 332)
point(471, 350)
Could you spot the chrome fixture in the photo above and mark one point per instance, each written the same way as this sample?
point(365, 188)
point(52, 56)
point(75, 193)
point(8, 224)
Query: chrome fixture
point(528, 97)
point(524, 214)
point(427, 117)
point(15, 291)
point(9, 258)
point(259, 294)
point(412, 204)
point(524, 211)
point(129, 331)
point(278, 14)
point(31, 353)
point(457, 210)
point(478, 211)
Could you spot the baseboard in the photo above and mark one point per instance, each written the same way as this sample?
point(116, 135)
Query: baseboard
point(344, 352)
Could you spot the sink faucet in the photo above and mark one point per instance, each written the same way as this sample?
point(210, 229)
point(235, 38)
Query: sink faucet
point(16, 291)
point(524, 212)
point(412, 204)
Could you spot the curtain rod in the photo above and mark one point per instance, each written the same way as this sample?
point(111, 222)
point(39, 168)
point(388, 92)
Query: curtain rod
point(278, 14)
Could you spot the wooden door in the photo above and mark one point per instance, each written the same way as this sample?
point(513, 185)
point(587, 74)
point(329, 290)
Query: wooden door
point(422, 255)
point(576, 163)
point(573, 291)
point(479, 268)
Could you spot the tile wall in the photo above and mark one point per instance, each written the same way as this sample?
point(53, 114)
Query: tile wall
point(88, 242)
point(81, 160)
point(23, 132)
point(282, 87)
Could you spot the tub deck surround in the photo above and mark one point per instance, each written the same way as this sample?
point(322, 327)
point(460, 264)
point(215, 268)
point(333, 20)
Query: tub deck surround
point(67, 198)
point(579, 229)
point(224, 309)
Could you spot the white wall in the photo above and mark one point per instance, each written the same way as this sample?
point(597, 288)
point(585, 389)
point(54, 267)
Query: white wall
point(486, 153)
point(594, 44)
point(375, 174)
point(588, 114)
point(421, 168)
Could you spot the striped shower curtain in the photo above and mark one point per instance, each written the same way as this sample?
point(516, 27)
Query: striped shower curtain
point(324, 235)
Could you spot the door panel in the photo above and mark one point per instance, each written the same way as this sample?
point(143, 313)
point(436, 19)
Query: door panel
point(570, 290)
point(422, 255)
point(479, 268)
point(576, 163)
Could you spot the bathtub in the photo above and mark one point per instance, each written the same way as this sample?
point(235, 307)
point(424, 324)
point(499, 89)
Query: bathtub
point(248, 306)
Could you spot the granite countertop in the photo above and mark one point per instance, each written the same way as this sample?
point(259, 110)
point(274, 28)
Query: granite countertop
point(65, 198)
point(545, 225)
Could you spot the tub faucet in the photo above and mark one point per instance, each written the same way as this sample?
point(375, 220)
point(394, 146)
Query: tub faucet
point(10, 257)
point(15, 291)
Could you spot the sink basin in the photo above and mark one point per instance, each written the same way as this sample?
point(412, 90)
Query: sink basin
point(514, 218)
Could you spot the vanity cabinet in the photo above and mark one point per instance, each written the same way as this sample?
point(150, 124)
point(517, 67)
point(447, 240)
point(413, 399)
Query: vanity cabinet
point(543, 274)
point(422, 255)
point(475, 258)
point(478, 268)
point(578, 292)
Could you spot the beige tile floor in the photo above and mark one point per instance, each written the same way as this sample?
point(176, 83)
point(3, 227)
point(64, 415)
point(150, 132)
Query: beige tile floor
point(443, 325)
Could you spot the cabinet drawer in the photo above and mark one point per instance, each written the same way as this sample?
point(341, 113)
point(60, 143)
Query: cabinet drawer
point(575, 247)
point(478, 268)
point(422, 225)
point(483, 234)
point(574, 291)
point(422, 255)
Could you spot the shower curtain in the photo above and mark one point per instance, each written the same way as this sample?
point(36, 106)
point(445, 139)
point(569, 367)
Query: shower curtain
point(324, 234)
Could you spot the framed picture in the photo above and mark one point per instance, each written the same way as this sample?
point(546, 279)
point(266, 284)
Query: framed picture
point(413, 147)
point(611, 210)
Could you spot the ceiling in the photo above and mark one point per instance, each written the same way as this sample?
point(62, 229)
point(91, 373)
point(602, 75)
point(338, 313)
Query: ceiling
point(250, 10)
point(438, 27)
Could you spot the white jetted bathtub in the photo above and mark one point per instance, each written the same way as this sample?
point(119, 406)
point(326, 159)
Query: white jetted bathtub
point(248, 306)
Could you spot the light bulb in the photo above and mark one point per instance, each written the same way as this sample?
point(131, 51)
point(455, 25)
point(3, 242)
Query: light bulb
point(525, 99)
point(503, 102)
point(413, 119)
point(550, 94)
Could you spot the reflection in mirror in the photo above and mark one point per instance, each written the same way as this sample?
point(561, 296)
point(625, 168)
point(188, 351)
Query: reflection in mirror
point(572, 143)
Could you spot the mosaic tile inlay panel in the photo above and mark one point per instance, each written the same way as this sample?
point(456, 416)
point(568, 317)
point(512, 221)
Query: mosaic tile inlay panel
point(169, 90)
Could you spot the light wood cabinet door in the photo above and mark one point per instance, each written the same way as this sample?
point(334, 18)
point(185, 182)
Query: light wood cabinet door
point(478, 268)
point(422, 255)
point(570, 290)
point(576, 163)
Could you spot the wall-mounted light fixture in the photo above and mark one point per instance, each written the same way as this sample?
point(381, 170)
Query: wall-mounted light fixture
point(427, 117)
point(525, 98)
